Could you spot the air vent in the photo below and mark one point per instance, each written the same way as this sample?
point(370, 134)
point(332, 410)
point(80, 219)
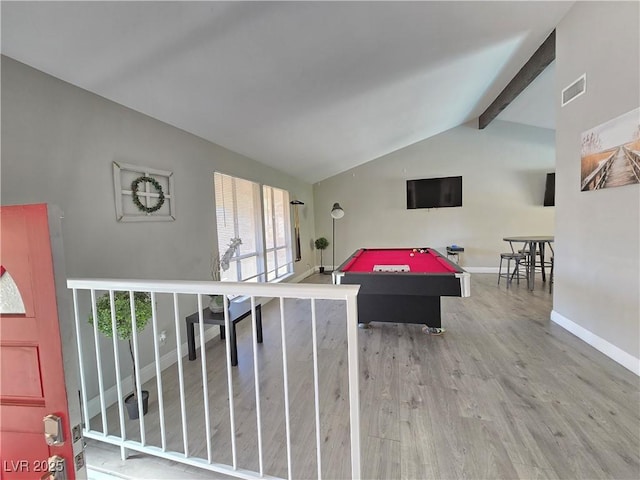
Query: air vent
point(574, 90)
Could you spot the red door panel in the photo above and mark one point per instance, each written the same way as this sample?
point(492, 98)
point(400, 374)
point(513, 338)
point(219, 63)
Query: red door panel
point(32, 381)
point(20, 371)
point(18, 463)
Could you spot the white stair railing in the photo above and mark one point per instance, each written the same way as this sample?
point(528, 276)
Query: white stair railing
point(100, 409)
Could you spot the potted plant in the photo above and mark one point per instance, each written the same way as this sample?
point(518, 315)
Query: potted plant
point(220, 264)
point(122, 307)
point(321, 243)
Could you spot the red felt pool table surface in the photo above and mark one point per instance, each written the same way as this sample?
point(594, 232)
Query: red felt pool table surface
point(427, 262)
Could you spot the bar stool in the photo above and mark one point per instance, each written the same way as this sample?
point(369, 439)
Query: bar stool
point(517, 258)
point(540, 265)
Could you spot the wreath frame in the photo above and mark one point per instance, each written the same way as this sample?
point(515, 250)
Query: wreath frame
point(136, 199)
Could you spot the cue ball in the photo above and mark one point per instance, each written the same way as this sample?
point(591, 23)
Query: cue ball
point(411, 254)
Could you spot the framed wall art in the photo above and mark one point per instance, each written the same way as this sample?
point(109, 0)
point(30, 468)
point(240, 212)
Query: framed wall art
point(610, 155)
point(143, 194)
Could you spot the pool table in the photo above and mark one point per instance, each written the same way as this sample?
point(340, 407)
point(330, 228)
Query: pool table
point(402, 285)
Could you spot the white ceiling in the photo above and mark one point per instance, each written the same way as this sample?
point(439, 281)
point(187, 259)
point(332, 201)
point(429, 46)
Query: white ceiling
point(310, 88)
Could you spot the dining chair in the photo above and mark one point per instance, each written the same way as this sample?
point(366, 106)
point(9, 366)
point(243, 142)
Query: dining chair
point(518, 259)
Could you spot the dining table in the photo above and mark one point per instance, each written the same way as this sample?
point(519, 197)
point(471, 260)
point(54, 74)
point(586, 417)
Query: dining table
point(532, 244)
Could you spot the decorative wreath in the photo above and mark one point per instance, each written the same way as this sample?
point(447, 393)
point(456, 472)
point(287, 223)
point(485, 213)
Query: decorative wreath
point(136, 199)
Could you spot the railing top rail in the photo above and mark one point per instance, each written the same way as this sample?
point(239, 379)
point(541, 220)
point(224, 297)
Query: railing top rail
point(287, 290)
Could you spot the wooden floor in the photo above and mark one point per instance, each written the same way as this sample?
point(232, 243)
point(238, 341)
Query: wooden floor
point(504, 393)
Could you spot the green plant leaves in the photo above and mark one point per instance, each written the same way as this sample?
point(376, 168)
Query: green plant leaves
point(142, 302)
point(321, 243)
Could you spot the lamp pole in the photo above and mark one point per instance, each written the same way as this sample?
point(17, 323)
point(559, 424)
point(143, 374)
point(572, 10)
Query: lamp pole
point(336, 213)
point(333, 245)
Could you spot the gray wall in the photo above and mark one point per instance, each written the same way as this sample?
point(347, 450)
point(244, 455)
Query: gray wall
point(503, 172)
point(58, 145)
point(597, 289)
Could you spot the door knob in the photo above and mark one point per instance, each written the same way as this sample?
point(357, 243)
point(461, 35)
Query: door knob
point(53, 431)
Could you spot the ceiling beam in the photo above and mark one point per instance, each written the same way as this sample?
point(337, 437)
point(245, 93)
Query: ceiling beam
point(544, 55)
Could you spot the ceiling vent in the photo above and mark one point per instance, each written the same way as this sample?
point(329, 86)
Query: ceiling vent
point(574, 90)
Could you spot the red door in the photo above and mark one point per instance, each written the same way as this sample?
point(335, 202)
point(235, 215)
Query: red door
point(32, 380)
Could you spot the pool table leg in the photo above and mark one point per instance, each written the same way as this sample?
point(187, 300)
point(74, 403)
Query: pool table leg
point(433, 330)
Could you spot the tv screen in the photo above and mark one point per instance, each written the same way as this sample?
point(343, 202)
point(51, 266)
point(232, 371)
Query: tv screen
point(434, 192)
point(550, 190)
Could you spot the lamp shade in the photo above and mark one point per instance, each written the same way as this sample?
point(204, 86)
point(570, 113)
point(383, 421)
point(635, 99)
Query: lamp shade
point(337, 211)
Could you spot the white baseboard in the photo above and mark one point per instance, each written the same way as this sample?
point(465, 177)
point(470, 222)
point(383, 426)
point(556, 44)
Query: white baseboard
point(480, 269)
point(305, 274)
point(618, 355)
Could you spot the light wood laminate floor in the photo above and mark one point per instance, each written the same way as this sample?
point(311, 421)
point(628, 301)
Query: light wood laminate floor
point(504, 393)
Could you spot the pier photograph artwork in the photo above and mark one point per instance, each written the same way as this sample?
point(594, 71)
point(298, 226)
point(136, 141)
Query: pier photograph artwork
point(610, 155)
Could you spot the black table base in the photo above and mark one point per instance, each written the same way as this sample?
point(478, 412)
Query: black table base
point(237, 312)
point(399, 309)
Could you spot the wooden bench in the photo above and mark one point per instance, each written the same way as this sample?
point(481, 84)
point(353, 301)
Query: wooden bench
point(237, 311)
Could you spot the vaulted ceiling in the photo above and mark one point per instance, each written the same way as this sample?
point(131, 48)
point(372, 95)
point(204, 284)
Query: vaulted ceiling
point(310, 88)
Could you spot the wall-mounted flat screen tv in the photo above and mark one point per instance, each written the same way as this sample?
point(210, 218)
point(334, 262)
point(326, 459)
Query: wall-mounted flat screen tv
point(550, 190)
point(434, 192)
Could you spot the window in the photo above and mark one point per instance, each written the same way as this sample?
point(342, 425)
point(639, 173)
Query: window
point(263, 225)
point(237, 213)
point(277, 232)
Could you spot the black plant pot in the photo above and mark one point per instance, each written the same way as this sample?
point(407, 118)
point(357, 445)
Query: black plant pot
point(321, 269)
point(132, 404)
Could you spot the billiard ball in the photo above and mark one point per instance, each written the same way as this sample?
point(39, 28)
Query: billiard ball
point(412, 254)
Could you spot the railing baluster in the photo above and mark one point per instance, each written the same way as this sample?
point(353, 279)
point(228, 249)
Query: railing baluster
point(205, 380)
point(103, 408)
point(116, 357)
point(285, 380)
point(232, 424)
point(136, 363)
point(83, 382)
point(156, 351)
point(316, 388)
point(354, 384)
point(183, 408)
point(256, 376)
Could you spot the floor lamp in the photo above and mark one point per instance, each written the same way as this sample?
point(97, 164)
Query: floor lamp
point(336, 213)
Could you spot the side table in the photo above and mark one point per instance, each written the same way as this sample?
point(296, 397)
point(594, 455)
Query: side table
point(237, 312)
point(454, 251)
